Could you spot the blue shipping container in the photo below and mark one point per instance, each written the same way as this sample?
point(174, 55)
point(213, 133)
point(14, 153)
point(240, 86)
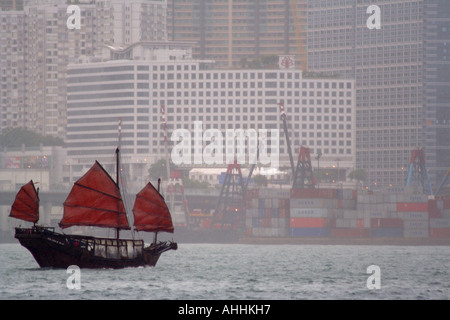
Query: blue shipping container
point(310, 232)
point(261, 213)
point(262, 203)
point(387, 232)
point(274, 213)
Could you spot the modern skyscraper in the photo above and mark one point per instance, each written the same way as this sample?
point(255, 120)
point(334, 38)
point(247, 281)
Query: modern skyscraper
point(49, 47)
point(397, 77)
point(436, 87)
point(138, 20)
point(12, 68)
point(37, 46)
point(235, 32)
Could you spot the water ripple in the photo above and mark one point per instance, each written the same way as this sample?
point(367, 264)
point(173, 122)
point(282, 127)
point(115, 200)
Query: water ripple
point(243, 272)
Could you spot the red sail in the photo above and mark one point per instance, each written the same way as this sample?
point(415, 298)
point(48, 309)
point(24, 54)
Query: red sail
point(26, 205)
point(95, 200)
point(150, 211)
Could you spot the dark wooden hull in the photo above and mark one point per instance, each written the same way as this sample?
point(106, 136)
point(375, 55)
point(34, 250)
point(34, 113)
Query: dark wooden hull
point(53, 250)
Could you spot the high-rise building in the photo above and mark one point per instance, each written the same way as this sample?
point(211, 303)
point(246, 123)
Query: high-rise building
point(237, 32)
point(37, 46)
point(11, 5)
point(12, 68)
point(436, 87)
point(138, 20)
point(400, 79)
point(49, 47)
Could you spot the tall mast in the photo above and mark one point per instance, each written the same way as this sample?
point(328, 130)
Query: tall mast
point(117, 182)
point(117, 167)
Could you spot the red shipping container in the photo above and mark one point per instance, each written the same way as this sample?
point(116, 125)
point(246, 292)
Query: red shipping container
point(350, 233)
point(252, 194)
point(332, 222)
point(447, 203)
point(433, 211)
point(308, 222)
point(412, 207)
point(205, 223)
point(360, 223)
point(440, 233)
point(386, 223)
point(265, 222)
point(283, 203)
point(340, 204)
point(283, 213)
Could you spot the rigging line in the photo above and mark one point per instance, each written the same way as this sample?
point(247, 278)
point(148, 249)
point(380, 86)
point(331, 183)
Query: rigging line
point(126, 201)
point(123, 184)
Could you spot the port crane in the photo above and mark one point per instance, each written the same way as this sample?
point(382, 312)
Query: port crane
point(231, 204)
point(230, 207)
point(418, 171)
point(302, 173)
point(443, 181)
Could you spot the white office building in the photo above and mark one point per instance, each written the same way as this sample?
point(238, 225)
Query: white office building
point(133, 85)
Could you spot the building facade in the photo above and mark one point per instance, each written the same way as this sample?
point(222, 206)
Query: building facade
point(138, 20)
point(236, 32)
point(44, 165)
point(436, 84)
point(391, 80)
point(321, 112)
point(12, 68)
point(11, 5)
point(39, 46)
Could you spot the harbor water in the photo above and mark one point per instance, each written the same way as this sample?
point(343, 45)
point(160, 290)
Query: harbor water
point(244, 272)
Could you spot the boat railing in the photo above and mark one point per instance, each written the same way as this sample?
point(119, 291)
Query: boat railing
point(100, 247)
point(118, 248)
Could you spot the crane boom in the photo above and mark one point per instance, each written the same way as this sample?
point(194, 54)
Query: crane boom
point(286, 133)
point(444, 179)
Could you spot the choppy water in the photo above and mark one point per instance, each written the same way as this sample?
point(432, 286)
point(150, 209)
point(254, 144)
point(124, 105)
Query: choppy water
point(243, 272)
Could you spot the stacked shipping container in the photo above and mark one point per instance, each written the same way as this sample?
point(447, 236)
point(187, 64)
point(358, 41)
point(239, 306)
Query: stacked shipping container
point(267, 213)
point(338, 213)
point(439, 210)
point(349, 224)
point(310, 209)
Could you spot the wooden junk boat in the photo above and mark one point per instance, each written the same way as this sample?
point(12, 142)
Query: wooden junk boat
point(95, 200)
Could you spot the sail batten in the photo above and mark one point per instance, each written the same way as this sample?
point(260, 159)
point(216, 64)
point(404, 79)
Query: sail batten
point(99, 191)
point(95, 200)
point(150, 211)
point(26, 204)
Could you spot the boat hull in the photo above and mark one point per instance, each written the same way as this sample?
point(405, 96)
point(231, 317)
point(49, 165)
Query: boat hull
point(53, 250)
